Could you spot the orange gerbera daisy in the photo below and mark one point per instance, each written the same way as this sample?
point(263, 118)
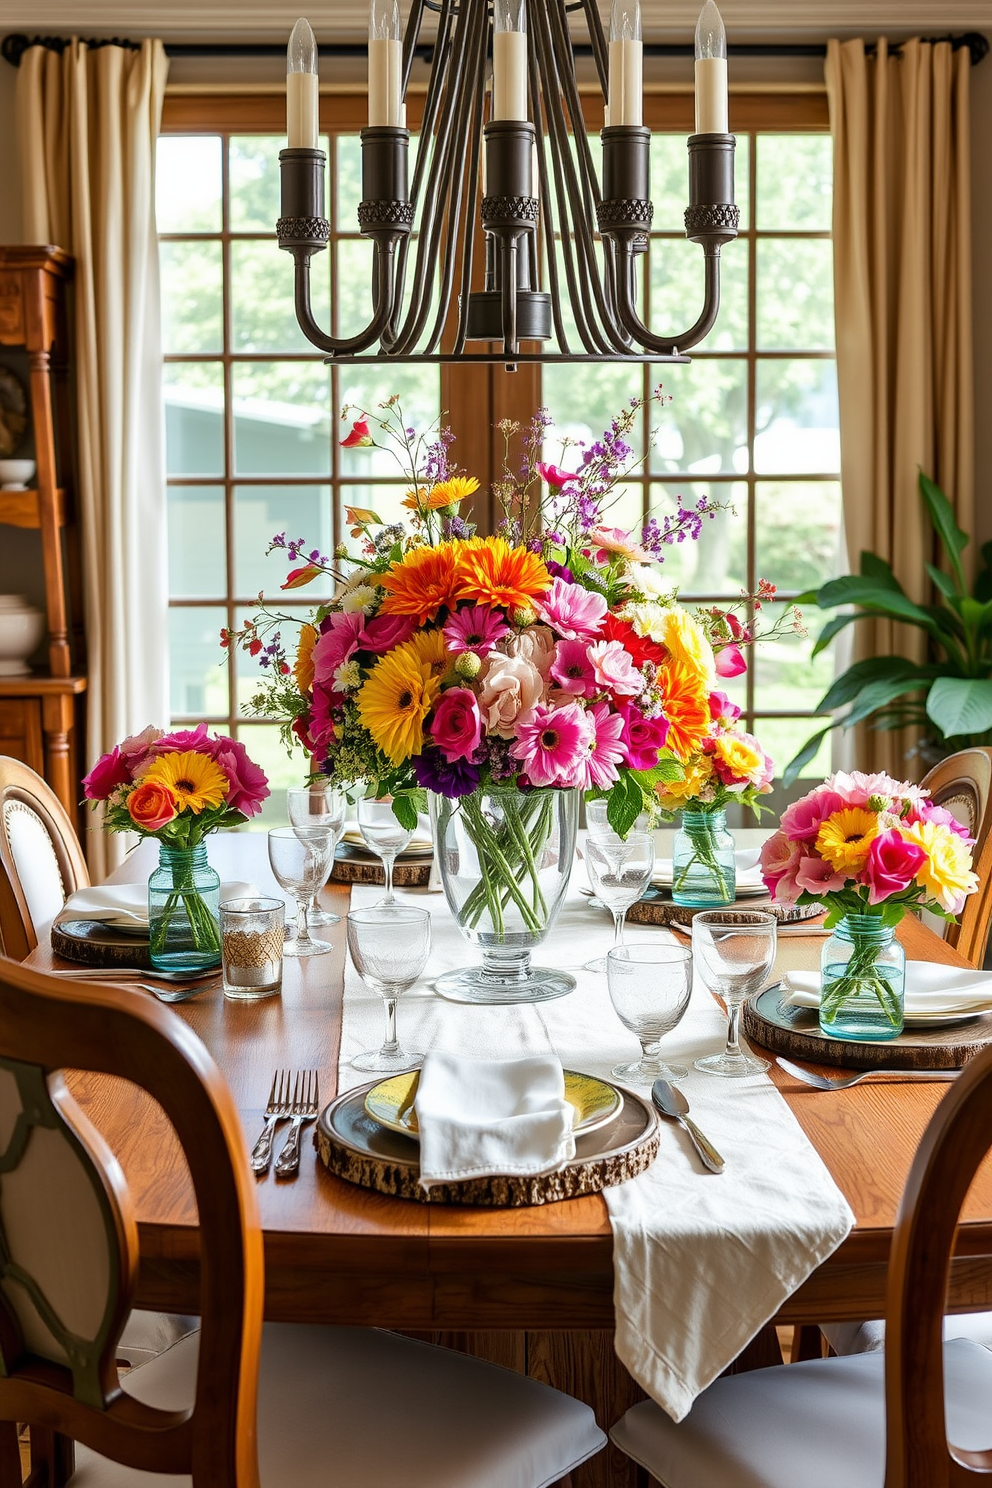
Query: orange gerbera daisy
point(421, 582)
point(490, 572)
point(303, 668)
point(447, 493)
point(686, 704)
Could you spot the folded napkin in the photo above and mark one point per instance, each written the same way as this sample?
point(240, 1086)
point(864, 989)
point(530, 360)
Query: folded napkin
point(748, 873)
point(932, 989)
point(125, 906)
point(487, 1116)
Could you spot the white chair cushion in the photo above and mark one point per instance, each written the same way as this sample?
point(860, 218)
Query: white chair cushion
point(356, 1406)
point(865, 1338)
point(810, 1425)
point(34, 858)
point(149, 1333)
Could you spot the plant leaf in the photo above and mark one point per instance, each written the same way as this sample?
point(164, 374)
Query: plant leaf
point(854, 589)
point(876, 694)
point(795, 766)
point(953, 540)
point(850, 683)
point(624, 805)
point(835, 625)
point(874, 567)
point(943, 582)
point(405, 812)
point(961, 705)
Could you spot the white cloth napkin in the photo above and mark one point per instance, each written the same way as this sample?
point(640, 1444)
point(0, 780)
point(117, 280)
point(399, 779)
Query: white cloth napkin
point(932, 989)
point(482, 1116)
point(125, 905)
point(748, 874)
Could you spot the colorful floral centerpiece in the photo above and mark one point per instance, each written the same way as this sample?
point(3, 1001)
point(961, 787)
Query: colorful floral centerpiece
point(728, 767)
point(871, 849)
point(497, 673)
point(179, 787)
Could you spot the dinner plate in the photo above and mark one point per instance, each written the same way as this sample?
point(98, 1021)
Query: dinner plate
point(355, 843)
point(595, 1102)
point(946, 1019)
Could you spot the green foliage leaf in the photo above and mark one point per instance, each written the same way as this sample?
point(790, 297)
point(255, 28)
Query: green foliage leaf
point(624, 804)
point(874, 567)
point(878, 598)
point(834, 626)
point(405, 811)
point(876, 694)
point(960, 705)
point(797, 764)
point(953, 540)
point(943, 582)
point(850, 684)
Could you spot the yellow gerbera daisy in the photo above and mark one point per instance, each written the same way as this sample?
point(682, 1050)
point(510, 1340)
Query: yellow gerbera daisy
point(946, 872)
point(687, 641)
point(445, 493)
point(196, 781)
point(429, 649)
point(490, 572)
point(303, 669)
point(394, 701)
point(845, 837)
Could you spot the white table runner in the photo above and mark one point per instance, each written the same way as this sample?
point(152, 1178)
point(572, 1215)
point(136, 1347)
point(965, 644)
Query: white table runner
point(701, 1261)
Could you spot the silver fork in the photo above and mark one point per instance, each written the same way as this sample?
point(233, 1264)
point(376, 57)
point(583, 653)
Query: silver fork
point(844, 1082)
point(305, 1108)
point(278, 1108)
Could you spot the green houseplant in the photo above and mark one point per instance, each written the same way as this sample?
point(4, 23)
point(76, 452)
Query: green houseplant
point(950, 694)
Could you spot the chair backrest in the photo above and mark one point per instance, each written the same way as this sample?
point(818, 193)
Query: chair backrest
point(953, 1146)
point(68, 1240)
point(963, 783)
point(41, 862)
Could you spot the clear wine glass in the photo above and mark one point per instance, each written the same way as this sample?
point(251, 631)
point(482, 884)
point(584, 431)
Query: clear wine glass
point(300, 858)
point(619, 870)
point(650, 984)
point(383, 835)
point(734, 950)
point(319, 805)
point(389, 945)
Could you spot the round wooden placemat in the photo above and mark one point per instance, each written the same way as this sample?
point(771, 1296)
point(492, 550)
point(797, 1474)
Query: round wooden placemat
point(92, 943)
point(795, 1031)
point(657, 908)
point(358, 1149)
point(413, 873)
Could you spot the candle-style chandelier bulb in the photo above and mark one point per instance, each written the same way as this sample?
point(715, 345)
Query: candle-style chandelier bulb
point(509, 15)
point(384, 20)
point(301, 54)
point(626, 73)
point(711, 34)
point(509, 59)
point(625, 20)
point(385, 65)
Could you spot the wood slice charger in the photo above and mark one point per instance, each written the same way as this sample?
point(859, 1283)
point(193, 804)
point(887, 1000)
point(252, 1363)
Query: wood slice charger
point(658, 908)
point(795, 1032)
point(351, 865)
point(357, 1148)
point(92, 943)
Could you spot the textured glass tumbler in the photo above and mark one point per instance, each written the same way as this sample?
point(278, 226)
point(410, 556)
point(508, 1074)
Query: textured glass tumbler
point(650, 986)
point(252, 931)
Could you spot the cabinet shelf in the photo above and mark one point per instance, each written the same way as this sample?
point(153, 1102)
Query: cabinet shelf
point(23, 509)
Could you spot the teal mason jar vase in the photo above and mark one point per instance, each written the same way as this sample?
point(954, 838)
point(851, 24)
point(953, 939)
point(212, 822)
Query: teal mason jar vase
point(184, 910)
point(704, 866)
point(863, 981)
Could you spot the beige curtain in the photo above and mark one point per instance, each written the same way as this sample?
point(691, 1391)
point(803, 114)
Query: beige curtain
point(902, 277)
point(87, 125)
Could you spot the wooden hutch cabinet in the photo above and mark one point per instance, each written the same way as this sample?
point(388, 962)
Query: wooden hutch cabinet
point(41, 714)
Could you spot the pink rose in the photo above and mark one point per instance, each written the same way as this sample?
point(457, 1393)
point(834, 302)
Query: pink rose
point(385, 632)
point(508, 688)
point(182, 739)
point(249, 785)
point(804, 818)
point(107, 774)
point(614, 670)
point(642, 737)
point(536, 644)
point(457, 724)
point(892, 865)
point(779, 859)
point(927, 812)
point(137, 748)
point(337, 644)
point(817, 876)
point(722, 710)
point(730, 661)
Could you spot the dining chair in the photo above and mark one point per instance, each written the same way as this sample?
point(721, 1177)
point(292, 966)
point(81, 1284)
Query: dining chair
point(41, 862)
point(237, 1404)
point(872, 1418)
point(963, 784)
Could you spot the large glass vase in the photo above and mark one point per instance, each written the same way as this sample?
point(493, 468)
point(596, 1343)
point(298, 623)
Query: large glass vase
point(184, 910)
point(505, 857)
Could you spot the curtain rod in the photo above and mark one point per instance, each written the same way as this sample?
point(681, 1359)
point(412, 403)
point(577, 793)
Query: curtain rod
point(14, 45)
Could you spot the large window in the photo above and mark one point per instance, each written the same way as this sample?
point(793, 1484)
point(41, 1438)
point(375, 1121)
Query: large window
point(252, 411)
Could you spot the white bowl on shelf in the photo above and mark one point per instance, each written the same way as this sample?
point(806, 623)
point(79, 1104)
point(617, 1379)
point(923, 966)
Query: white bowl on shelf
point(21, 630)
point(15, 474)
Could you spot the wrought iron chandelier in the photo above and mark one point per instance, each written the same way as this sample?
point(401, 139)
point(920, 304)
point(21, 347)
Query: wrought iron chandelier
point(502, 104)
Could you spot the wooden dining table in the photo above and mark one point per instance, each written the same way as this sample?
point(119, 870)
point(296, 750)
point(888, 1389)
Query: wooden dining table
point(530, 1288)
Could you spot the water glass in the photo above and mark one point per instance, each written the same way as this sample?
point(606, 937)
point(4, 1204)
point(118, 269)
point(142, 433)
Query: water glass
point(252, 931)
point(734, 950)
point(389, 945)
point(619, 871)
point(300, 858)
point(650, 984)
point(382, 835)
point(318, 805)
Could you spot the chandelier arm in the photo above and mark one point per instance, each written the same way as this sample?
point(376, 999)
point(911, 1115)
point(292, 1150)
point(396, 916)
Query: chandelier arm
point(597, 36)
point(670, 345)
point(588, 334)
point(382, 265)
point(468, 243)
point(410, 37)
point(547, 210)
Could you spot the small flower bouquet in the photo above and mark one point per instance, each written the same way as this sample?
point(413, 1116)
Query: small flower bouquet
point(871, 849)
point(729, 766)
point(178, 788)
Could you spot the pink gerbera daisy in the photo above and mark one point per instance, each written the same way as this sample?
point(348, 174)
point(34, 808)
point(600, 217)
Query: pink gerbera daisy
point(576, 613)
point(475, 628)
point(605, 750)
point(552, 743)
point(571, 669)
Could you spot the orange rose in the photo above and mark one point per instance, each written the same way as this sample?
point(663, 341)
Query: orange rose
point(152, 806)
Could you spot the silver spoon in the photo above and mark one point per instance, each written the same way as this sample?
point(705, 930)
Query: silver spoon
point(671, 1102)
point(844, 1082)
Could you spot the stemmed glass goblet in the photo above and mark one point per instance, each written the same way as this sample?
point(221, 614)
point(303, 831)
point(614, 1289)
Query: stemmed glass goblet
point(316, 806)
point(383, 835)
point(619, 870)
point(734, 950)
point(650, 984)
point(300, 858)
point(389, 945)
